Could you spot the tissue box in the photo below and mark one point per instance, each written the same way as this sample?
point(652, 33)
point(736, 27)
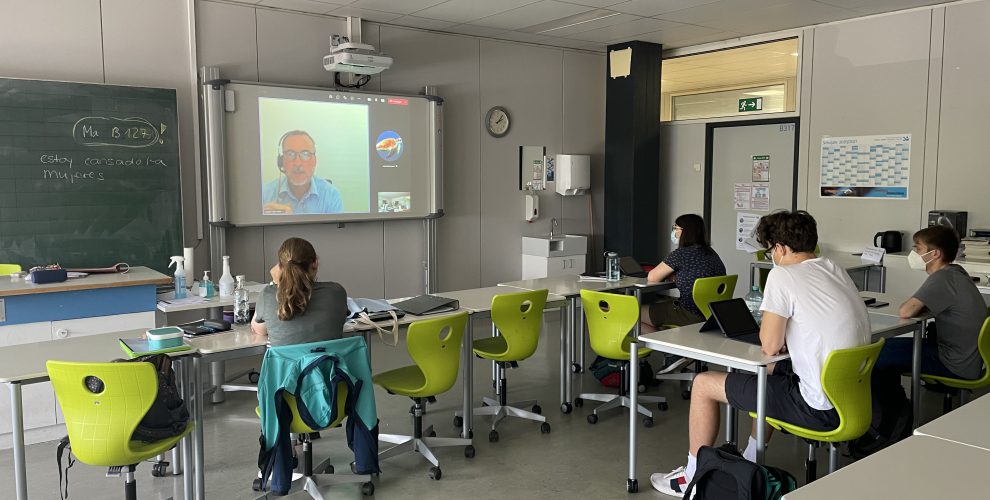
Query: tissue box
point(48, 276)
point(164, 338)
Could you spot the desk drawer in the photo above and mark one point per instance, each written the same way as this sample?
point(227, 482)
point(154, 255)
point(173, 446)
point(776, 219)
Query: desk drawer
point(103, 324)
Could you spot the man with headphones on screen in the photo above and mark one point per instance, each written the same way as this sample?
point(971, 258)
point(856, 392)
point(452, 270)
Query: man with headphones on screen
point(296, 190)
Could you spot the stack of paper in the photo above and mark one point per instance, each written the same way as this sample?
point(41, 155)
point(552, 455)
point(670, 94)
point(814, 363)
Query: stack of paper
point(976, 249)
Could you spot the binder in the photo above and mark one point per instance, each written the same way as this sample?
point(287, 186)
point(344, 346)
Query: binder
point(140, 347)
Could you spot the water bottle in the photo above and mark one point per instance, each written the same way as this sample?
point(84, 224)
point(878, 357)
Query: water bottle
point(612, 266)
point(754, 299)
point(242, 313)
point(180, 276)
point(226, 283)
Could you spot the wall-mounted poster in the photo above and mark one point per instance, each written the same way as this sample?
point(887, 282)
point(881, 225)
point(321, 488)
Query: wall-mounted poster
point(868, 166)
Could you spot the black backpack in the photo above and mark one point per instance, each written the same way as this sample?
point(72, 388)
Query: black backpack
point(168, 415)
point(723, 474)
point(892, 415)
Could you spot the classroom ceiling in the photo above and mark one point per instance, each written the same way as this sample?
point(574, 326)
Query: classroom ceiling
point(593, 24)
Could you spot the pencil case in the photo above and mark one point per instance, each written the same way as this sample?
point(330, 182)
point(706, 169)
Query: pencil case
point(48, 276)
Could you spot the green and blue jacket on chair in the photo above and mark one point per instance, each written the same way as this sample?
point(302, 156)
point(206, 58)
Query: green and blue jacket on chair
point(311, 373)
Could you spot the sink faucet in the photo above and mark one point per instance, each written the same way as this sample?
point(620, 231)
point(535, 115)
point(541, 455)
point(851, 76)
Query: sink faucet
point(553, 227)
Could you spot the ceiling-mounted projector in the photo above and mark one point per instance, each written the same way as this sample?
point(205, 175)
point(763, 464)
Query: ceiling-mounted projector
point(356, 58)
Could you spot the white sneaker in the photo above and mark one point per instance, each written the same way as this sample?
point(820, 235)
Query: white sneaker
point(672, 483)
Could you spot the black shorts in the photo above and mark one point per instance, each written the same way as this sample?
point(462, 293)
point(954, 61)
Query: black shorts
point(784, 400)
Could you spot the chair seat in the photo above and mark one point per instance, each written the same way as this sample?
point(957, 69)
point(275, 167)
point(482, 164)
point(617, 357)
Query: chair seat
point(832, 436)
point(297, 426)
point(493, 348)
point(139, 451)
point(955, 383)
point(406, 381)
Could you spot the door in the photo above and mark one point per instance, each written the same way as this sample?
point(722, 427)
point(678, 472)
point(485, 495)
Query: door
point(741, 155)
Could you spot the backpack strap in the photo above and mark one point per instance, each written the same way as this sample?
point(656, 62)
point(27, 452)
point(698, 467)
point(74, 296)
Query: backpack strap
point(63, 446)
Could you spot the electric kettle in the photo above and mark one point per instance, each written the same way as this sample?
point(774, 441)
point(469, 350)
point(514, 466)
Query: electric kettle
point(889, 240)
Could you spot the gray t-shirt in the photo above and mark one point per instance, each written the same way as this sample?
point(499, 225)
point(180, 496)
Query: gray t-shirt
point(323, 319)
point(959, 310)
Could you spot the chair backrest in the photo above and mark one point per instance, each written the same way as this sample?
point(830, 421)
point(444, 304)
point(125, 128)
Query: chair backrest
point(435, 346)
point(519, 317)
point(100, 423)
point(983, 345)
point(715, 288)
point(846, 381)
point(611, 317)
point(9, 268)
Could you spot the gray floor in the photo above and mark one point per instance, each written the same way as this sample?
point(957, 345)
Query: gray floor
point(575, 459)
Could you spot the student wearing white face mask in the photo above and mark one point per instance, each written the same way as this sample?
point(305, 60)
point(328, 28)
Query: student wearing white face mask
point(950, 350)
point(692, 257)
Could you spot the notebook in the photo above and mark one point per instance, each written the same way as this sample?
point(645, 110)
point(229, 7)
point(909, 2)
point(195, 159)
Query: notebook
point(427, 304)
point(733, 319)
point(139, 347)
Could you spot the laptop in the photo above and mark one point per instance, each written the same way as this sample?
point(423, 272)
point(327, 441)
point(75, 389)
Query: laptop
point(733, 318)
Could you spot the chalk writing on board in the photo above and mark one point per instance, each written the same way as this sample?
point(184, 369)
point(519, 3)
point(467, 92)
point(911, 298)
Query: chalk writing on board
point(133, 132)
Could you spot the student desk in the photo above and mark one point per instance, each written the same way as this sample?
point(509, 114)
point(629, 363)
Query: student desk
point(966, 425)
point(478, 302)
point(917, 468)
point(569, 287)
point(25, 364)
point(851, 263)
point(713, 347)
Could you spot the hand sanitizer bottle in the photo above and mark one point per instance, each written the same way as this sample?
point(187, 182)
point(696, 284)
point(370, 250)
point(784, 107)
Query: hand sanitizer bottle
point(206, 289)
point(226, 279)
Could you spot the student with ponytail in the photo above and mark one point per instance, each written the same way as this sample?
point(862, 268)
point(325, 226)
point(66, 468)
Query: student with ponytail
point(297, 309)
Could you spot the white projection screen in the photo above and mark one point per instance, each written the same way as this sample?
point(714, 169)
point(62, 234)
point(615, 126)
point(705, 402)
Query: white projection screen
point(295, 155)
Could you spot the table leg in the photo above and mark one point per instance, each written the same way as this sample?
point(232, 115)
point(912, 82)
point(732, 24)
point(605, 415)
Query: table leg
point(761, 412)
point(17, 434)
point(752, 269)
point(177, 462)
point(218, 377)
point(467, 426)
point(565, 404)
point(883, 279)
point(187, 447)
point(570, 352)
point(916, 375)
point(198, 461)
point(731, 421)
point(631, 482)
point(582, 335)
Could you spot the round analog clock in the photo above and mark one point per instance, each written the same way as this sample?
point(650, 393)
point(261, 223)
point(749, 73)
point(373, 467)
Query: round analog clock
point(497, 121)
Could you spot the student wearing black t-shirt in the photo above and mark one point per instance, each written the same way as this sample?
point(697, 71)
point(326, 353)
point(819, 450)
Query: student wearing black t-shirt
point(692, 258)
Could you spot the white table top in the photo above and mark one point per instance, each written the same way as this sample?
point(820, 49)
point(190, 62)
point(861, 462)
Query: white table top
point(26, 362)
point(480, 299)
point(918, 468)
point(571, 285)
point(167, 305)
point(136, 276)
point(965, 425)
point(847, 261)
point(690, 341)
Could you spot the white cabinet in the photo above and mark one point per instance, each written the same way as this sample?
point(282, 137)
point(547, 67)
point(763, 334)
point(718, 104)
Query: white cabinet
point(546, 257)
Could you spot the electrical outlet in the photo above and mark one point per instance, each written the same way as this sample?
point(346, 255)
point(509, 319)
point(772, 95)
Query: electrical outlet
point(697, 167)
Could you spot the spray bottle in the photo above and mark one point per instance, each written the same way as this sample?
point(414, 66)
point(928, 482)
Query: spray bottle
point(180, 276)
point(226, 283)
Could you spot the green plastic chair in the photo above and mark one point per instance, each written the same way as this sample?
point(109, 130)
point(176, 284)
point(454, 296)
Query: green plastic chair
point(965, 387)
point(846, 381)
point(312, 482)
point(518, 317)
point(611, 319)
point(435, 347)
point(9, 269)
point(100, 424)
point(705, 291)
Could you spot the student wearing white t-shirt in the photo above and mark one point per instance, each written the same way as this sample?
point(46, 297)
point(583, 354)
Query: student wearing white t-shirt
point(810, 308)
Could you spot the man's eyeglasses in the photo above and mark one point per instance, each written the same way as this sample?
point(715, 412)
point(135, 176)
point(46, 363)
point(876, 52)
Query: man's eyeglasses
point(302, 155)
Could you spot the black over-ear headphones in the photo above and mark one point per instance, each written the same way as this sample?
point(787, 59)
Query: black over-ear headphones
point(278, 160)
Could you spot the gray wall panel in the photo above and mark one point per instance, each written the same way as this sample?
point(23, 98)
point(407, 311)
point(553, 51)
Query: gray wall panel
point(870, 77)
point(291, 47)
point(526, 80)
point(246, 247)
point(227, 37)
point(405, 256)
point(963, 146)
point(453, 69)
point(52, 40)
point(682, 188)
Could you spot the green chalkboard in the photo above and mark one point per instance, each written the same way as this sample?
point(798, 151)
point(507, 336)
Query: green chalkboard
point(89, 175)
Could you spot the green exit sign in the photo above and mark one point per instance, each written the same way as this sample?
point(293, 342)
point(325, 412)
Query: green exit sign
point(750, 104)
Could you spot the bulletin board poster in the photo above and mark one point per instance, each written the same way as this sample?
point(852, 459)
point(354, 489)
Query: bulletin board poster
point(868, 166)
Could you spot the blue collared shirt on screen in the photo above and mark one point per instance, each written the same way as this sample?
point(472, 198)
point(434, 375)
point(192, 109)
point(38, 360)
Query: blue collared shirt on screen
point(322, 197)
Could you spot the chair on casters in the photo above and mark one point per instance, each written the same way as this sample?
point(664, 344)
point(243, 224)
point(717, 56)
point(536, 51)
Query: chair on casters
point(103, 404)
point(9, 269)
point(611, 319)
point(705, 291)
point(435, 347)
point(962, 386)
point(518, 318)
point(846, 381)
point(312, 482)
